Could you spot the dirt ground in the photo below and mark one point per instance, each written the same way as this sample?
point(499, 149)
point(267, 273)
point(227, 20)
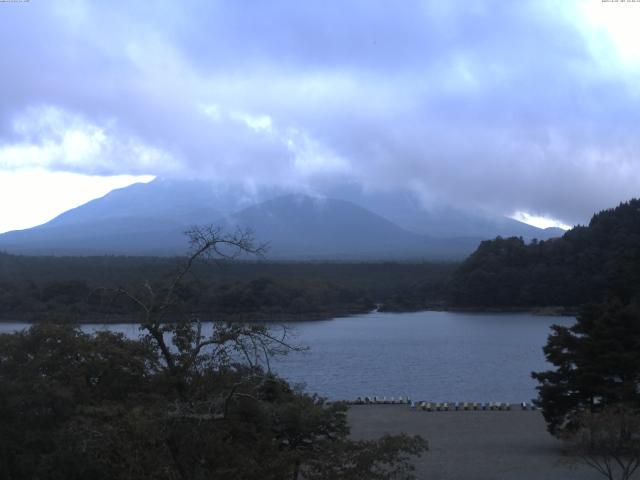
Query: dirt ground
point(477, 445)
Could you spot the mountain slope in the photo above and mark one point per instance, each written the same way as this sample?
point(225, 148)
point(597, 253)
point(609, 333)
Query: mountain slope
point(405, 209)
point(143, 219)
point(119, 236)
point(299, 226)
point(181, 201)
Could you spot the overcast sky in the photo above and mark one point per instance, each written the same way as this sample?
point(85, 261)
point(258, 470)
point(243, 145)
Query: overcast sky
point(509, 106)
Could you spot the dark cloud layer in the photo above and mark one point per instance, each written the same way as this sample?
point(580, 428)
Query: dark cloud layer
point(505, 106)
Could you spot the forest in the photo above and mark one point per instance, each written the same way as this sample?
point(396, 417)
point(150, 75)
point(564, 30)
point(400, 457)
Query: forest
point(73, 288)
point(587, 264)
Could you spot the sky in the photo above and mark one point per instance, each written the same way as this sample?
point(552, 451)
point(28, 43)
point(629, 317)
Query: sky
point(523, 108)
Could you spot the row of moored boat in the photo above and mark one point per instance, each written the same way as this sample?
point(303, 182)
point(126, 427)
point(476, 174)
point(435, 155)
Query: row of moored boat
point(382, 400)
point(440, 406)
point(448, 406)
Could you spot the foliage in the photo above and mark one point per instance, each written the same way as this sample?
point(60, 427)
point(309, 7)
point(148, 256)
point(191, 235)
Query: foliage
point(75, 405)
point(368, 459)
point(609, 441)
point(178, 403)
point(597, 363)
point(586, 264)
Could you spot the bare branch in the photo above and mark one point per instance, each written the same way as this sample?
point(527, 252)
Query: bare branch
point(609, 440)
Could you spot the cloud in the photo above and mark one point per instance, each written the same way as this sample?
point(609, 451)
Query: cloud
point(528, 106)
point(53, 139)
point(23, 191)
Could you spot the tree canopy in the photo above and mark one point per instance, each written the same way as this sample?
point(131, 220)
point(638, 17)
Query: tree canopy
point(597, 363)
point(586, 264)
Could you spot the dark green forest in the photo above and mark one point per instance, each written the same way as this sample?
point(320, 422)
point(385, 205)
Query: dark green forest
point(587, 264)
point(72, 288)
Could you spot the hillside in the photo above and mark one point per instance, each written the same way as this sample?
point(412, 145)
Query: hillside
point(405, 210)
point(299, 226)
point(586, 264)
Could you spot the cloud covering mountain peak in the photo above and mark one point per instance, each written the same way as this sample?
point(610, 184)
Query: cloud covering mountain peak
point(509, 107)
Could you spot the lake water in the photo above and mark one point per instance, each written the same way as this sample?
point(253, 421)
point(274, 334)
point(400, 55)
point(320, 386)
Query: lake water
point(437, 356)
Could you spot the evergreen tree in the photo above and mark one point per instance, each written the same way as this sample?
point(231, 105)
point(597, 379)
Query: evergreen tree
point(586, 264)
point(597, 363)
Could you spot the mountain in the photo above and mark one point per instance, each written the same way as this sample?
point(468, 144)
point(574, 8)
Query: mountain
point(299, 226)
point(139, 219)
point(117, 236)
point(405, 209)
point(148, 219)
point(587, 264)
point(180, 201)
point(142, 219)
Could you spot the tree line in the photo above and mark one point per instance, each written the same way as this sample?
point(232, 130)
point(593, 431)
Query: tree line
point(588, 263)
point(70, 288)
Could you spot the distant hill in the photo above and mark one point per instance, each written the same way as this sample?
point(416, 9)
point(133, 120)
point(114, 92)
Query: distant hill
point(299, 226)
point(148, 219)
point(585, 264)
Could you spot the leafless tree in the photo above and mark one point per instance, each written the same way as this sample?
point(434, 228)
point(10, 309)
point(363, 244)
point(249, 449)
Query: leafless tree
point(179, 338)
point(609, 441)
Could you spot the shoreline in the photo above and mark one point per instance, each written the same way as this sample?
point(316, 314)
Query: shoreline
point(112, 319)
point(551, 311)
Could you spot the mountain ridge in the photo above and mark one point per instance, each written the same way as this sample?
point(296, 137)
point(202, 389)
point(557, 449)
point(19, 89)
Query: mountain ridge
point(148, 219)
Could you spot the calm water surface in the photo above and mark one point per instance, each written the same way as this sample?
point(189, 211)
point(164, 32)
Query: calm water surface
point(438, 356)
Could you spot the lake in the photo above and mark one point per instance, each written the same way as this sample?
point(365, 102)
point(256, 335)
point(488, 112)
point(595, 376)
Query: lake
point(437, 356)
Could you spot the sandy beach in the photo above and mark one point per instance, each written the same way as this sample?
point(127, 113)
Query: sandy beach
point(477, 445)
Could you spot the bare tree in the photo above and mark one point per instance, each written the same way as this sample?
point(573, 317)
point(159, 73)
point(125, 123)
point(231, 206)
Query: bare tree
point(609, 441)
point(179, 337)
